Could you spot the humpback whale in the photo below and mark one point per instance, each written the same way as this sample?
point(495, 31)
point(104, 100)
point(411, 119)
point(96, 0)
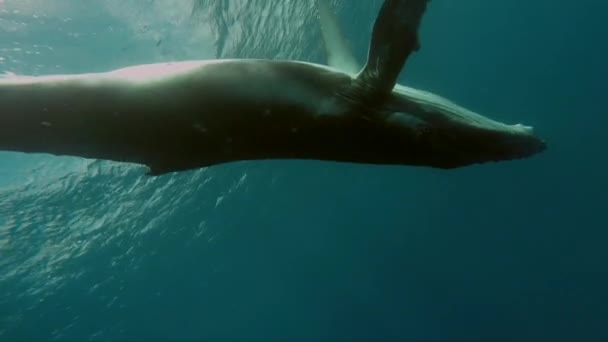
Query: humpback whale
point(185, 115)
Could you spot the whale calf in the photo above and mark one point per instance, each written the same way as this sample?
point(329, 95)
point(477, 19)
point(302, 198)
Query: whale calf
point(185, 115)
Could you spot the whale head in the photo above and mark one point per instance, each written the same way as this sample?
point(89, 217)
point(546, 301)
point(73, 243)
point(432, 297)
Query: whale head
point(446, 135)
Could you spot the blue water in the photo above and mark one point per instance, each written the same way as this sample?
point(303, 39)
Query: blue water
point(285, 250)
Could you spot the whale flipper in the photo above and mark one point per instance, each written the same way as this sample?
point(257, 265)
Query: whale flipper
point(339, 54)
point(394, 38)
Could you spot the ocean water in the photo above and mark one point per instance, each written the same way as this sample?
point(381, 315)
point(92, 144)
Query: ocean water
point(304, 250)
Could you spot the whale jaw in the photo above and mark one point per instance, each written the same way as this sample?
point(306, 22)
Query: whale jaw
point(478, 146)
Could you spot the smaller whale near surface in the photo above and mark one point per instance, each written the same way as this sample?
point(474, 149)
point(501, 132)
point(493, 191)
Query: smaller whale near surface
point(191, 114)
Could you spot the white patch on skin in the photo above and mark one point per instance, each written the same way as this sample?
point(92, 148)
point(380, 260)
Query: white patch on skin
point(524, 128)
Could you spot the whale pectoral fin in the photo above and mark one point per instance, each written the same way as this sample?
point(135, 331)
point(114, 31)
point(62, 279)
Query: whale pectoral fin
point(339, 54)
point(394, 38)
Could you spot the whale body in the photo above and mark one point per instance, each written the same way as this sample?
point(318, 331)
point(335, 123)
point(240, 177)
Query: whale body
point(185, 115)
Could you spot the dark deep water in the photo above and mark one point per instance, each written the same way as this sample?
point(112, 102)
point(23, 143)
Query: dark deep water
point(308, 250)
